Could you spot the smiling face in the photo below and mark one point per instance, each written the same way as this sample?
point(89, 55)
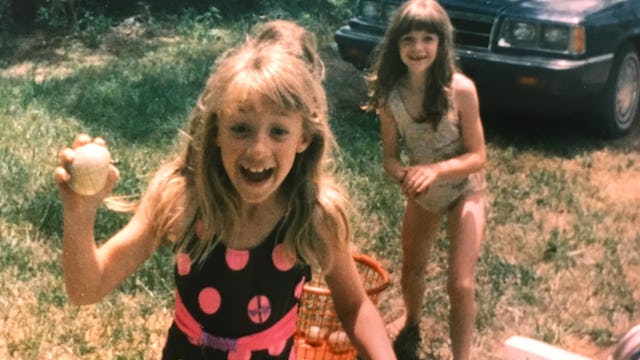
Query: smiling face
point(258, 147)
point(418, 50)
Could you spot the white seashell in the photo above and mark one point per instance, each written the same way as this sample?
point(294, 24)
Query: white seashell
point(315, 335)
point(89, 169)
point(339, 341)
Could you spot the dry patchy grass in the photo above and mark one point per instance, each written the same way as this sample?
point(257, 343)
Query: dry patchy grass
point(560, 260)
point(38, 322)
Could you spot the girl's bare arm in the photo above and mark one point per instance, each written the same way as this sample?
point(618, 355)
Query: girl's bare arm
point(358, 315)
point(390, 146)
point(92, 271)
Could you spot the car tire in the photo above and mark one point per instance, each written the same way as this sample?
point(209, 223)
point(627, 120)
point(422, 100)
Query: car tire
point(619, 109)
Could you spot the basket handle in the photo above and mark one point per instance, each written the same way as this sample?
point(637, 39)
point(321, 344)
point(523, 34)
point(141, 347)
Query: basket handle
point(364, 259)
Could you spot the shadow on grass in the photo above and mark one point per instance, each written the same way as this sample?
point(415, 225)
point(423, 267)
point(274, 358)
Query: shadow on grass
point(140, 101)
point(565, 138)
point(48, 46)
point(149, 104)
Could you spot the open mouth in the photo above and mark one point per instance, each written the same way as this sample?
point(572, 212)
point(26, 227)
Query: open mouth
point(256, 174)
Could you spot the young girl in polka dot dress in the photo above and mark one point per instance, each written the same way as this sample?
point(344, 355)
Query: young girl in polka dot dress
point(249, 206)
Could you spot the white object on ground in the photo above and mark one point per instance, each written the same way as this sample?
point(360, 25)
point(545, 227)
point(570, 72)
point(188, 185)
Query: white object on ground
point(522, 348)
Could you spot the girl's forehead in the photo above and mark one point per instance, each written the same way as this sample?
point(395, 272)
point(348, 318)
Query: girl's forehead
point(421, 22)
point(256, 94)
point(255, 107)
point(422, 26)
point(417, 31)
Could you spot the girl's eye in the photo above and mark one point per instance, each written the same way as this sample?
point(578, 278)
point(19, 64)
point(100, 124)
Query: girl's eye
point(406, 39)
point(240, 129)
point(279, 132)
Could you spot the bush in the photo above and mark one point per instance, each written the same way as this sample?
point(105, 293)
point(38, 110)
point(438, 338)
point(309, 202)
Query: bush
point(67, 13)
point(6, 17)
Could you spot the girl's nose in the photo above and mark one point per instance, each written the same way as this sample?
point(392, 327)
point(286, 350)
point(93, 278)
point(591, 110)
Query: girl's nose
point(259, 145)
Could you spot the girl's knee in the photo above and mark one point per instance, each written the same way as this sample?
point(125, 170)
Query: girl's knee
point(461, 290)
point(414, 271)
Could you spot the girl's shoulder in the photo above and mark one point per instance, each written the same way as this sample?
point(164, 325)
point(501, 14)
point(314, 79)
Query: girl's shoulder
point(166, 202)
point(462, 83)
point(330, 226)
point(330, 215)
point(393, 102)
point(463, 88)
point(158, 181)
point(332, 202)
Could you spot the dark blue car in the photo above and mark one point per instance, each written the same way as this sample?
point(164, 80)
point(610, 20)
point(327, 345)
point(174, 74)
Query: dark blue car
point(545, 58)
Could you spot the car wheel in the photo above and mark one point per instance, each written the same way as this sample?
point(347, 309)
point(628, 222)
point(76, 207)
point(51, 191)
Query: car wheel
point(622, 94)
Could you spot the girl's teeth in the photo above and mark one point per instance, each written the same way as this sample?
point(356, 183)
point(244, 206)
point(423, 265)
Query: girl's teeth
point(257, 174)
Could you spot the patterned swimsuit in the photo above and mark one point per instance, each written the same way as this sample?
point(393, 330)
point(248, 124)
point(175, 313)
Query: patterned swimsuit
point(425, 145)
point(237, 305)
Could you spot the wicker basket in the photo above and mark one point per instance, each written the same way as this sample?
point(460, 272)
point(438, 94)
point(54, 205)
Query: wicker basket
point(319, 334)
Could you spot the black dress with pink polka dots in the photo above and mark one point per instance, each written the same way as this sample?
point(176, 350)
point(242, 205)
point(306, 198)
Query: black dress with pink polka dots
point(237, 305)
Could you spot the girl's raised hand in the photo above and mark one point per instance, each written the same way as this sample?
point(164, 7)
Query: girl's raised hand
point(85, 175)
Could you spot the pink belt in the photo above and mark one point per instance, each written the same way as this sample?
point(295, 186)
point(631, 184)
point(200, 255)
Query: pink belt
point(273, 339)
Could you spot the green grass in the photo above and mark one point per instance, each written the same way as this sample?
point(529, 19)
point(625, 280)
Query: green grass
point(559, 263)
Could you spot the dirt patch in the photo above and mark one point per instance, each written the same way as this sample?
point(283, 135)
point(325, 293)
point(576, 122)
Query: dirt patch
point(550, 220)
point(616, 178)
point(622, 187)
point(51, 55)
point(46, 56)
point(345, 85)
point(39, 72)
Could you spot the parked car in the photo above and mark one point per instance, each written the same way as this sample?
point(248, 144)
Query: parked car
point(548, 58)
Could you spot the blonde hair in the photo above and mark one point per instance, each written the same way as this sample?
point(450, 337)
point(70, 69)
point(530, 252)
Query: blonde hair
point(197, 186)
point(294, 39)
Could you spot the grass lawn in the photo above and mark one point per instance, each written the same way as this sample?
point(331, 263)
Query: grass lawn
point(560, 262)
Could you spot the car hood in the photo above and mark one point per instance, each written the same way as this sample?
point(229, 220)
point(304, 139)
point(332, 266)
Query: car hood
point(530, 7)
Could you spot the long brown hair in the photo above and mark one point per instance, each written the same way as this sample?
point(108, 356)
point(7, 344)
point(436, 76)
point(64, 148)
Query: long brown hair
point(388, 68)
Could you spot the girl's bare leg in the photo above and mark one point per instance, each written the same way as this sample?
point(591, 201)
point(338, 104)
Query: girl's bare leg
point(419, 230)
point(466, 224)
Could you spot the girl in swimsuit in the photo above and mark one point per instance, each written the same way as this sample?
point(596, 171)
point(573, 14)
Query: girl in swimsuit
point(430, 109)
point(249, 206)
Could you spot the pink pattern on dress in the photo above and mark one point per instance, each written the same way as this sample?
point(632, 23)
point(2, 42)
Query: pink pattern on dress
point(183, 262)
point(277, 347)
point(259, 309)
point(209, 300)
point(280, 258)
point(239, 355)
point(236, 259)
